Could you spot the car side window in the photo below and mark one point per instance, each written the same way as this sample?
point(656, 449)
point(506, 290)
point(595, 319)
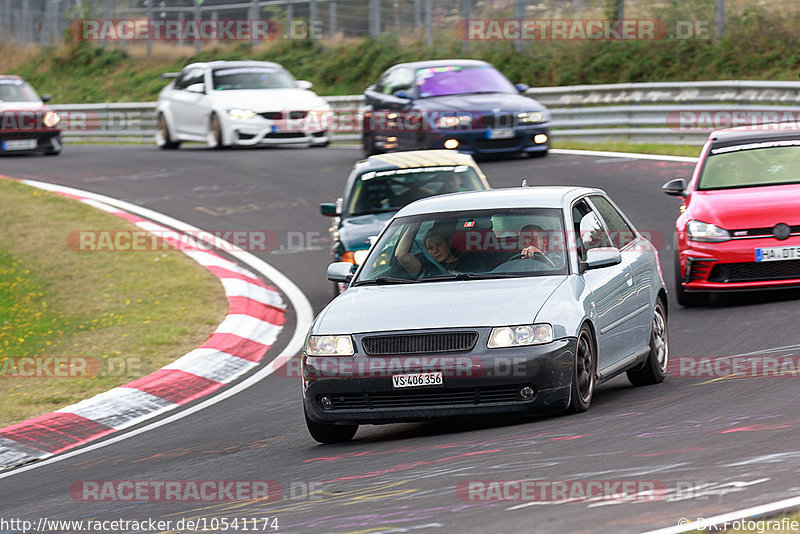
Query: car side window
point(190, 77)
point(621, 232)
point(589, 230)
point(401, 79)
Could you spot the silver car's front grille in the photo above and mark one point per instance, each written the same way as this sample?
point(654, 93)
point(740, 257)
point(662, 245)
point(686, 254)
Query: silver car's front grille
point(419, 343)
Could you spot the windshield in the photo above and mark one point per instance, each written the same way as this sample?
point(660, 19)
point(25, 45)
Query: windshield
point(383, 191)
point(752, 165)
point(502, 243)
point(251, 78)
point(12, 90)
point(458, 80)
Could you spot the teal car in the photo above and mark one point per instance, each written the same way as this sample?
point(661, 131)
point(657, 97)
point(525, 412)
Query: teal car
point(381, 185)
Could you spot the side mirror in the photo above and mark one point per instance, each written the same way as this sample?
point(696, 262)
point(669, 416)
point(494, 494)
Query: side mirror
point(196, 88)
point(370, 88)
point(168, 75)
point(402, 94)
point(675, 188)
point(340, 271)
point(328, 209)
point(522, 87)
point(597, 258)
point(304, 84)
point(46, 98)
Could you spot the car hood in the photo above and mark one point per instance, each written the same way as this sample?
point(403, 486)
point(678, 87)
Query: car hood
point(261, 100)
point(502, 102)
point(355, 232)
point(751, 207)
point(471, 303)
point(22, 106)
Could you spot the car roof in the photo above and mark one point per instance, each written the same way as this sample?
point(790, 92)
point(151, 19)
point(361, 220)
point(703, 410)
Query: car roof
point(511, 197)
point(443, 63)
point(10, 77)
point(230, 64)
point(758, 133)
point(414, 158)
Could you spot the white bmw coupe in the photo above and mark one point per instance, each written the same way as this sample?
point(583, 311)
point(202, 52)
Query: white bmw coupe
point(243, 103)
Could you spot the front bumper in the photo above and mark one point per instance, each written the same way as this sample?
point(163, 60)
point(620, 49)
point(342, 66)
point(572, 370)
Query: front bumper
point(259, 131)
point(46, 140)
point(483, 381)
point(478, 141)
point(731, 265)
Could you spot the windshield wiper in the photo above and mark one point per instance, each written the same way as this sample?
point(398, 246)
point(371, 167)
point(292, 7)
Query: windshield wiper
point(383, 280)
point(473, 276)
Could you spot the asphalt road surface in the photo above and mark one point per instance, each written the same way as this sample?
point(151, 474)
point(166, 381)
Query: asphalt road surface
point(708, 446)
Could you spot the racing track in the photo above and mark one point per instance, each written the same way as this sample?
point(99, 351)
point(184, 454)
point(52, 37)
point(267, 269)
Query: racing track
point(735, 440)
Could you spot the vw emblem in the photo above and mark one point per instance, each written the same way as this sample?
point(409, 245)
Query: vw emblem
point(781, 231)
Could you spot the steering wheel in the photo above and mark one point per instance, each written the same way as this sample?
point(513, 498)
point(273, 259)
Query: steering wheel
point(536, 256)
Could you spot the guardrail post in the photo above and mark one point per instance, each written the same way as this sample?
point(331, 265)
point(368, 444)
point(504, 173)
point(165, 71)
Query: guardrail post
point(429, 22)
point(332, 17)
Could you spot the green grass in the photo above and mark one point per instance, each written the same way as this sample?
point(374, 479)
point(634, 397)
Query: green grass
point(646, 148)
point(759, 45)
point(125, 313)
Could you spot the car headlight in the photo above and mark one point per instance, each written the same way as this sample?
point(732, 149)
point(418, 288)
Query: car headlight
point(451, 121)
point(51, 118)
point(531, 117)
point(708, 233)
point(329, 346)
point(517, 336)
point(241, 113)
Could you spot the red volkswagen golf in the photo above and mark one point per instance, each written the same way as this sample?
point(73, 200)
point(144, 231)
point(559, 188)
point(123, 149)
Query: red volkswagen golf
point(739, 227)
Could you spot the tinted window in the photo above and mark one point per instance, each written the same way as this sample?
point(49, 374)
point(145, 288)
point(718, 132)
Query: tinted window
point(589, 232)
point(390, 190)
point(188, 78)
point(621, 232)
point(458, 80)
point(750, 165)
point(231, 79)
point(13, 90)
point(463, 245)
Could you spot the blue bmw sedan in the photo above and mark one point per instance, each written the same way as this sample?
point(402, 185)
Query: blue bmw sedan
point(503, 301)
point(455, 104)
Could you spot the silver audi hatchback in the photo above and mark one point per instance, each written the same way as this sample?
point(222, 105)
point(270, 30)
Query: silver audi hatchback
point(493, 302)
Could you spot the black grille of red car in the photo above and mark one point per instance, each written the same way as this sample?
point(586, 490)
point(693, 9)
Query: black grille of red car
point(755, 272)
point(698, 270)
point(755, 232)
point(434, 396)
point(419, 343)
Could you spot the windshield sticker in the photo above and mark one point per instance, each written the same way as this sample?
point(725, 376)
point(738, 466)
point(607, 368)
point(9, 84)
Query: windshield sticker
point(754, 146)
point(245, 70)
point(394, 172)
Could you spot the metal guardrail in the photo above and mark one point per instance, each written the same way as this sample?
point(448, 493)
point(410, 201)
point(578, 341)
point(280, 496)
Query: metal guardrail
point(673, 113)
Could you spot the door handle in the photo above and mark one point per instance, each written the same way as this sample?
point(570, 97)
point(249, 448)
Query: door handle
point(628, 279)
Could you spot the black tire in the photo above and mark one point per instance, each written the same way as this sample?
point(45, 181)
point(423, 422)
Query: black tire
point(328, 433)
point(55, 146)
point(163, 137)
point(214, 138)
point(654, 369)
point(687, 299)
point(583, 373)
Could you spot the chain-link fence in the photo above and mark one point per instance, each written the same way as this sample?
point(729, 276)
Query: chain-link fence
point(45, 22)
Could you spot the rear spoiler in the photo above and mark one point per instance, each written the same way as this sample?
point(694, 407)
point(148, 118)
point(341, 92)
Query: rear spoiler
point(166, 75)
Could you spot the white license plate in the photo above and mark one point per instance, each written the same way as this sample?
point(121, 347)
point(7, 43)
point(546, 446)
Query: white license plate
point(415, 380)
point(20, 144)
point(778, 253)
point(500, 134)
